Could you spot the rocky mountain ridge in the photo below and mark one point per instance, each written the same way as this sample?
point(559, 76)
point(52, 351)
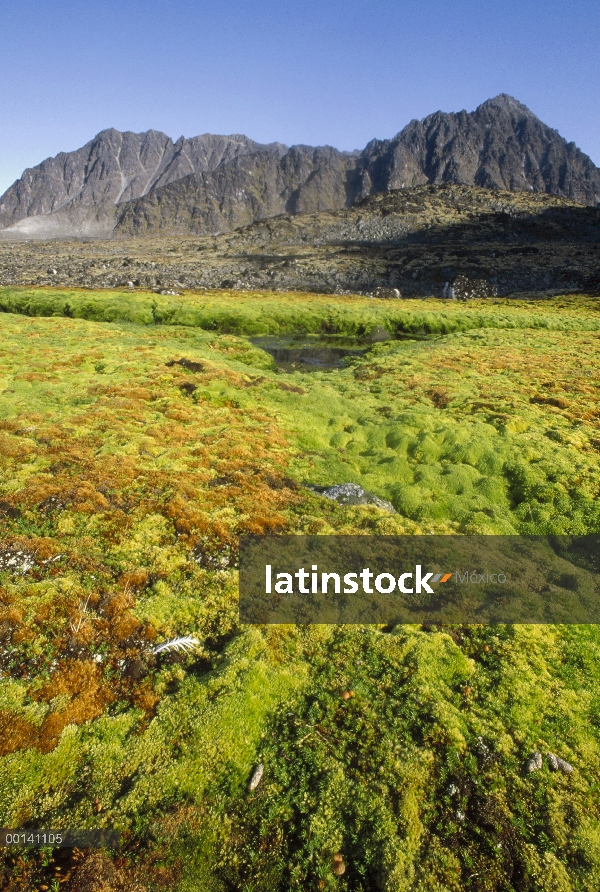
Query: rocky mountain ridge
point(501, 145)
point(254, 186)
point(144, 184)
point(76, 193)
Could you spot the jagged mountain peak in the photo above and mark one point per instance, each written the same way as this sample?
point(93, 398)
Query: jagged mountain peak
point(505, 102)
point(76, 193)
point(500, 145)
point(146, 183)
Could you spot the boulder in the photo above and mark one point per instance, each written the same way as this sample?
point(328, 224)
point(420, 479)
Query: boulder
point(379, 334)
point(353, 494)
point(387, 293)
point(534, 762)
point(464, 288)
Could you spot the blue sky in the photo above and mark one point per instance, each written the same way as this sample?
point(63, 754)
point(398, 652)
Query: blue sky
point(314, 72)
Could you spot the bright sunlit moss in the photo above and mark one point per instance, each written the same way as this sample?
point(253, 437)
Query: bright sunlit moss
point(133, 454)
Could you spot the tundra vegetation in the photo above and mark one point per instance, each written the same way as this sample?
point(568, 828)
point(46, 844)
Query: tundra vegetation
point(140, 434)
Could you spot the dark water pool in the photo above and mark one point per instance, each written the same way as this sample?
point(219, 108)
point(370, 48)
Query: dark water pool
point(309, 354)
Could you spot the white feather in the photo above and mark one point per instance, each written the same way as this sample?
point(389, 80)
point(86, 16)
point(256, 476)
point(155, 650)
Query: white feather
point(186, 644)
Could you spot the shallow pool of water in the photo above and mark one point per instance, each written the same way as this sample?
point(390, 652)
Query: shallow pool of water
point(309, 354)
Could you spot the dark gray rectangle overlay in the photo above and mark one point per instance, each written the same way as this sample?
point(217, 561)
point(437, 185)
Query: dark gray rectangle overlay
point(60, 839)
point(420, 579)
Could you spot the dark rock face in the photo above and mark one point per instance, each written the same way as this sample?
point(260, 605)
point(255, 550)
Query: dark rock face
point(501, 145)
point(76, 193)
point(252, 187)
point(144, 184)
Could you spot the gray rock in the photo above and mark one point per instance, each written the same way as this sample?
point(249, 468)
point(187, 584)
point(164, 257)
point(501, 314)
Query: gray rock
point(257, 776)
point(387, 293)
point(501, 145)
point(353, 494)
point(558, 764)
point(534, 762)
point(464, 288)
point(378, 335)
point(76, 193)
point(252, 186)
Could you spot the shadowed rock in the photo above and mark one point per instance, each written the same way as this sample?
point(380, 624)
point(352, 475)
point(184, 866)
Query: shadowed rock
point(414, 240)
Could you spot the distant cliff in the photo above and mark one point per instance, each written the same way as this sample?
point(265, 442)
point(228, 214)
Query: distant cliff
point(501, 145)
point(250, 188)
point(78, 192)
point(144, 184)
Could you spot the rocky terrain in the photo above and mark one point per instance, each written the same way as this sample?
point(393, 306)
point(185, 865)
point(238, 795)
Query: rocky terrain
point(413, 240)
point(501, 145)
point(77, 192)
point(253, 187)
point(144, 184)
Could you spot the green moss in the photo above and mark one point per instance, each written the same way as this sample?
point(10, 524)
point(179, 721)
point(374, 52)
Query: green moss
point(127, 476)
point(260, 313)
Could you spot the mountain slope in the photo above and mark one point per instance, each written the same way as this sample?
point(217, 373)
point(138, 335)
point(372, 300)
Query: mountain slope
point(501, 145)
point(76, 192)
point(414, 240)
point(142, 184)
point(251, 187)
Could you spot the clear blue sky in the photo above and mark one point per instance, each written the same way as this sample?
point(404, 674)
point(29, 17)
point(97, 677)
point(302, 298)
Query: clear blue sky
point(314, 71)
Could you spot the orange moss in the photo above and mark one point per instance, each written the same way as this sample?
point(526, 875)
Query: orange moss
point(13, 448)
point(81, 681)
point(125, 627)
point(135, 580)
point(36, 376)
point(23, 636)
point(117, 604)
point(16, 733)
point(11, 615)
point(145, 698)
point(260, 525)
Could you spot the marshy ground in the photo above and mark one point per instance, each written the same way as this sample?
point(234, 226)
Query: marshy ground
point(140, 435)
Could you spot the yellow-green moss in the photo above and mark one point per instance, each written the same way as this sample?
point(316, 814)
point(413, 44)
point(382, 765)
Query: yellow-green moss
point(126, 477)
